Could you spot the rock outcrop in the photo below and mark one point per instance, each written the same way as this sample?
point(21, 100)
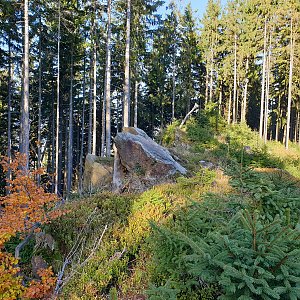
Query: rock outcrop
point(98, 173)
point(140, 162)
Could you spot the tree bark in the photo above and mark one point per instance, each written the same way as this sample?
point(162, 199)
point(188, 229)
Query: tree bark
point(40, 103)
point(126, 118)
point(107, 93)
point(268, 71)
point(70, 134)
point(90, 127)
point(173, 87)
point(262, 99)
point(82, 130)
point(25, 125)
point(244, 105)
point(10, 74)
point(229, 107)
point(235, 80)
point(57, 146)
point(95, 102)
point(136, 104)
point(288, 125)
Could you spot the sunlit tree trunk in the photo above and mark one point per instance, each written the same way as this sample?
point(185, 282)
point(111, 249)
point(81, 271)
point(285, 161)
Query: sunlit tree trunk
point(229, 107)
point(288, 122)
point(173, 87)
point(95, 102)
point(235, 81)
point(108, 81)
point(90, 127)
point(244, 103)
point(25, 125)
point(135, 121)
point(267, 94)
point(262, 99)
point(126, 117)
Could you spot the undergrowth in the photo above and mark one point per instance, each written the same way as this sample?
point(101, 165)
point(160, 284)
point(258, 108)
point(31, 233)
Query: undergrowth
point(198, 238)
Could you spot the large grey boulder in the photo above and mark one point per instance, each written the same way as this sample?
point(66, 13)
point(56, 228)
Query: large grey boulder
point(97, 173)
point(140, 162)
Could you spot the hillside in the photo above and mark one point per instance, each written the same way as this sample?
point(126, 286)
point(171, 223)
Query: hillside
point(230, 229)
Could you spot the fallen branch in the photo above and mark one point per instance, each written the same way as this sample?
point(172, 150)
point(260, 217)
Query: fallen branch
point(196, 106)
point(78, 249)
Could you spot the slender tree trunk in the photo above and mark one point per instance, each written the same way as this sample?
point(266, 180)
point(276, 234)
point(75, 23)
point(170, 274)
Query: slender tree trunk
point(229, 107)
point(262, 99)
point(10, 75)
point(173, 87)
point(136, 104)
point(90, 127)
point(70, 134)
point(211, 76)
point(268, 72)
point(103, 129)
point(80, 187)
point(278, 118)
point(107, 93)
point(206, 83)
point(244, 105)
point(297, 125)
point(235, 80)
point(57, 146)
point(25, 125)
point(53, 135)
point(288, 123)
point(95, 103)
point(40, 104)
point(126, 118)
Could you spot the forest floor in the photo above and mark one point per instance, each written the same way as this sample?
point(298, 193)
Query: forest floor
point(229, 230)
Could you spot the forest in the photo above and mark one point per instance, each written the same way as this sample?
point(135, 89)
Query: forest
point(221, 92)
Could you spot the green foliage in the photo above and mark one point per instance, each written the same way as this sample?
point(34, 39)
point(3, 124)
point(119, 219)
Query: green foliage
point(169, 133)
point(199, 131)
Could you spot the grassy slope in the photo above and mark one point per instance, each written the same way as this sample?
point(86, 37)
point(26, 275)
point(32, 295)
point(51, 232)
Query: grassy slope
point(129, 216)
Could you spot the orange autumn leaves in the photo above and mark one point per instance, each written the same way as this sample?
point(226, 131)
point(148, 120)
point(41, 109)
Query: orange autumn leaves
point(21, 212)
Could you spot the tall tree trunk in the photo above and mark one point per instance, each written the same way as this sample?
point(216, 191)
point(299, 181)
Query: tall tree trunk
point(278, 120)
point(10, 74)
point(135, 122)
point(40, 103)
point(80, 187)
point(297, 125)
point(57, 146)
point(25, 125)
point(107, 89)
point(70, 134)
point(211, 76)
point(235, 80)
point(90, 127)
point(262, 99)
point(126, 118)
point(95, 102)
point(53, 134)
point(174, 86)
point(229, 107)
point(268, 73)
point(206, 83)
point(108, 81)
point(288, 125)
point(244, 104)
point(103, 129)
